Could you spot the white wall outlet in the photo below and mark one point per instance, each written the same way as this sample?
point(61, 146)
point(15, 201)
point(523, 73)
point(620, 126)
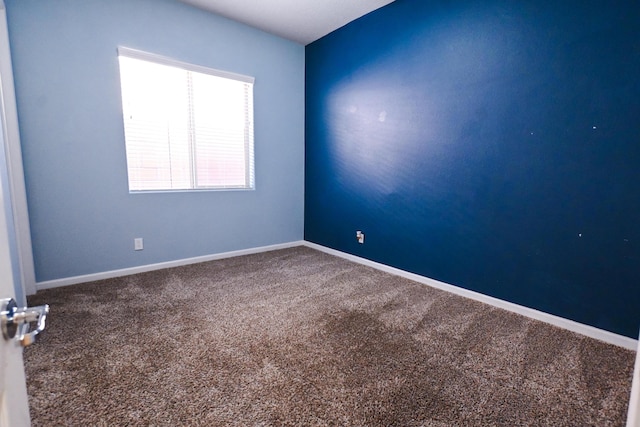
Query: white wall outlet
point(360, 236)
point(137, 244)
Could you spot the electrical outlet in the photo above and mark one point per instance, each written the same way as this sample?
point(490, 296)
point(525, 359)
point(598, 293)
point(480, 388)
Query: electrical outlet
point(137, 244)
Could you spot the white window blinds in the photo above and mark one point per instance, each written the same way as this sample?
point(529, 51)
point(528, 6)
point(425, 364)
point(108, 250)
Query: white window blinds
point(186, 126)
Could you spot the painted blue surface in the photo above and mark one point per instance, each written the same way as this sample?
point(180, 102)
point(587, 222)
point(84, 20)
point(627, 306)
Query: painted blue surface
point(83, 220)
point(493, 145)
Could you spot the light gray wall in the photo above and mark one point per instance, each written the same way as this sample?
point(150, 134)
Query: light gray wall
point(83, 220)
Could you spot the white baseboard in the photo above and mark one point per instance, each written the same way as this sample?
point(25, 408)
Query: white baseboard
point(159, 266)
point(580, 328)
point(590, 331)
point(633, 413)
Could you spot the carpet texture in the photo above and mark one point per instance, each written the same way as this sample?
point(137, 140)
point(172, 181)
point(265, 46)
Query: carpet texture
point(297, 337)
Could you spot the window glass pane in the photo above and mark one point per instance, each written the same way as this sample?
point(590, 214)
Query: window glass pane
point(219, 122)
point(154, 98)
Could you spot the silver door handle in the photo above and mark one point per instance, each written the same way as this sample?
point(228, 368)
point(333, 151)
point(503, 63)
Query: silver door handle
point(16, 322)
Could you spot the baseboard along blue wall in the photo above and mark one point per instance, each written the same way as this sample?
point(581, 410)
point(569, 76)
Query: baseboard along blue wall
point(83, 219)
point(493, 145)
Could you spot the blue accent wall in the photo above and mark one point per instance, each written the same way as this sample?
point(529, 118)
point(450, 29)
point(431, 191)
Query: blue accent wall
point(83, 219)
point(493, 145)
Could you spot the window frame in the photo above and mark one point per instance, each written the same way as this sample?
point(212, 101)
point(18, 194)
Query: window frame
point(249, 134)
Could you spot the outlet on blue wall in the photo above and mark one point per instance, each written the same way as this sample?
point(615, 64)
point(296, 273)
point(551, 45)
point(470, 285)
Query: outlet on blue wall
point(492, 145)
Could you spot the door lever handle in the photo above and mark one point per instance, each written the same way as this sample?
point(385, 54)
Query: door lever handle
point(16, 322)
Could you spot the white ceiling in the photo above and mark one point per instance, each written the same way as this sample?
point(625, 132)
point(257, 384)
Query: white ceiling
point(302, 21)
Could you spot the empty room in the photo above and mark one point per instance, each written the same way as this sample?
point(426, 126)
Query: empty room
point(320, 213)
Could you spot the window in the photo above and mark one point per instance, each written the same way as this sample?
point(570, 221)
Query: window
point(186, 127)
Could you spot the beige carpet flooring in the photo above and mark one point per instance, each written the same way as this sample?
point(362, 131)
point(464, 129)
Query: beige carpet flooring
point(299, 338)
